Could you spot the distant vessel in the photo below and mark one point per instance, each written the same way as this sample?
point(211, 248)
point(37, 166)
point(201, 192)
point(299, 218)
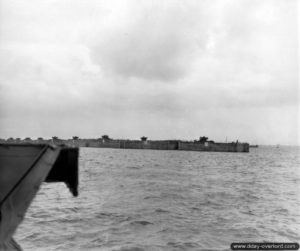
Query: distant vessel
point(202, 145)
point(23, 167)
point(253, 146)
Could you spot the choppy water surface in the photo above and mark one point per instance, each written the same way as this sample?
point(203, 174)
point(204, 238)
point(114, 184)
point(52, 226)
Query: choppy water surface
point(169, 200)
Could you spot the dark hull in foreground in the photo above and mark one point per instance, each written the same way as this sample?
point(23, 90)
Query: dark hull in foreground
point(23, 168)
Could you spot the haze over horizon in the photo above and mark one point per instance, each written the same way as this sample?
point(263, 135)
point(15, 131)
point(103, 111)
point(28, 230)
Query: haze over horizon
point(161, 69)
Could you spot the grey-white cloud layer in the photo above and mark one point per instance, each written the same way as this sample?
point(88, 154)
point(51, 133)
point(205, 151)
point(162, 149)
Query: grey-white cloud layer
point(165, 69)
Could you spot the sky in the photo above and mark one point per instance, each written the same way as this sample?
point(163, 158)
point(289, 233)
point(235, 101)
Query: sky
point(166, 69)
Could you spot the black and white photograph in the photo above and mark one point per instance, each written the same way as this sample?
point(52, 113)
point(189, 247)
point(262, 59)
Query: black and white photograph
point(149, 125)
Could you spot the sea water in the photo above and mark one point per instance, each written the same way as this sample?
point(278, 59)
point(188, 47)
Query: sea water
point(169, 200)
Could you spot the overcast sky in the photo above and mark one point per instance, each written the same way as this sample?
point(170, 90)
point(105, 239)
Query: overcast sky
point(162, 69)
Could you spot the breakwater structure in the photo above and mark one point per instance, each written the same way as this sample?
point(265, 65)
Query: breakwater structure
point(203, 144)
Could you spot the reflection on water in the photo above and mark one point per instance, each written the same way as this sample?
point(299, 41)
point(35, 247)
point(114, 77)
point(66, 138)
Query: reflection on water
point(169, 200)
